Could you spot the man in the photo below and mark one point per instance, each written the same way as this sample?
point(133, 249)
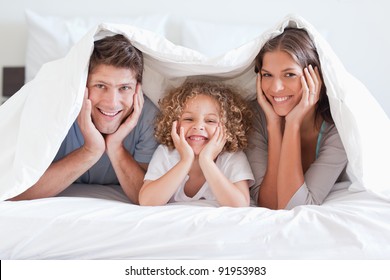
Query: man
point(112, 140)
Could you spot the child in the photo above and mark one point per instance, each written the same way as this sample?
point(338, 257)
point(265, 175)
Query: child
point(202, 130)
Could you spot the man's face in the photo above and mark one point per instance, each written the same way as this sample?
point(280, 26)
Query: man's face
point(111, 91)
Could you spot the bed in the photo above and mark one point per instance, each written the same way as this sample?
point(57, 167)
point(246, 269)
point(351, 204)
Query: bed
point(98, 222)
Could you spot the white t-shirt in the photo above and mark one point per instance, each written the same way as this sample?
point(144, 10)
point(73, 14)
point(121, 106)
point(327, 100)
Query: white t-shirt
point(234, 166)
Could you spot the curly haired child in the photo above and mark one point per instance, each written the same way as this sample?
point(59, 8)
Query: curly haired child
point(202, 130)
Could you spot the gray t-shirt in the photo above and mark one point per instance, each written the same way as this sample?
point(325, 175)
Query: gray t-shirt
point(140, 143)
point(327, 173)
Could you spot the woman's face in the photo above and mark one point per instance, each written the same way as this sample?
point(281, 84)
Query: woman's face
point(200, 119)
point(281, 81)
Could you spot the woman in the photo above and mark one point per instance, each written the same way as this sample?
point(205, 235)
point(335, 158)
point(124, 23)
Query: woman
point(295, 151)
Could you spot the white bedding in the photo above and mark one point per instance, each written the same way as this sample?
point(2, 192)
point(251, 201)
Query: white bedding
point(97, 222)
point(33, 139)
point(105, 226)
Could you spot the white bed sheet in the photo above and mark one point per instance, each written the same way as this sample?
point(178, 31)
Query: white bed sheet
point(97, 222)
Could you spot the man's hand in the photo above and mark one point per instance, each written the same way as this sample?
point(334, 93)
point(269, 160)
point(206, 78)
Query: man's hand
point(129, 172)
point(93, 139)
point(115, 140)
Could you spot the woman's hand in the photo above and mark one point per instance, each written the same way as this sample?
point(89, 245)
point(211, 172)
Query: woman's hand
point(214, 147)
point(311, 88)
point(269, 111)
point(181, 144)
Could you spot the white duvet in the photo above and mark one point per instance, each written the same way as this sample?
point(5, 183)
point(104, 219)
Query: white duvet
point(97, 222)
point(35, 120)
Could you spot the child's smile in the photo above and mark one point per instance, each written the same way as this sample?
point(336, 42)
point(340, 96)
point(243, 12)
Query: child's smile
point(200, 119)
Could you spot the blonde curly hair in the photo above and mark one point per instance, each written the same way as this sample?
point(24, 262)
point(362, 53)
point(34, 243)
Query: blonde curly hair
point(235, 113)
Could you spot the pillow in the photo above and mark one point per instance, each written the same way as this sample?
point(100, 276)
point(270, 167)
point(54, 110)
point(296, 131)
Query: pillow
point(51, 37)
point(214, 39)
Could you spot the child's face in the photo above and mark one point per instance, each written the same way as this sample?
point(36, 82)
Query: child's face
point(200, 118)
point(111, 92)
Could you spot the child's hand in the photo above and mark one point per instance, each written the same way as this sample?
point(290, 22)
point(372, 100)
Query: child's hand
point(214, 147)
point(181, 144)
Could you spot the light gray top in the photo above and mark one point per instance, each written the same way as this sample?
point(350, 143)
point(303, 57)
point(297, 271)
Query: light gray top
point(325, 174)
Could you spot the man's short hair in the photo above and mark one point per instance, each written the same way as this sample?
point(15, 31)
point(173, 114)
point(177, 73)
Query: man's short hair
point(117, 51)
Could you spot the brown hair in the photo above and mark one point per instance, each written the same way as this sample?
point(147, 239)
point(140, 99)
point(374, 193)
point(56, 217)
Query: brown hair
point(235, 112)
point(117, 51)
point(297, 43)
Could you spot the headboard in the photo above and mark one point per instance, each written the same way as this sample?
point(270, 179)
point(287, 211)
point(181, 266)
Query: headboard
point(13, 80)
